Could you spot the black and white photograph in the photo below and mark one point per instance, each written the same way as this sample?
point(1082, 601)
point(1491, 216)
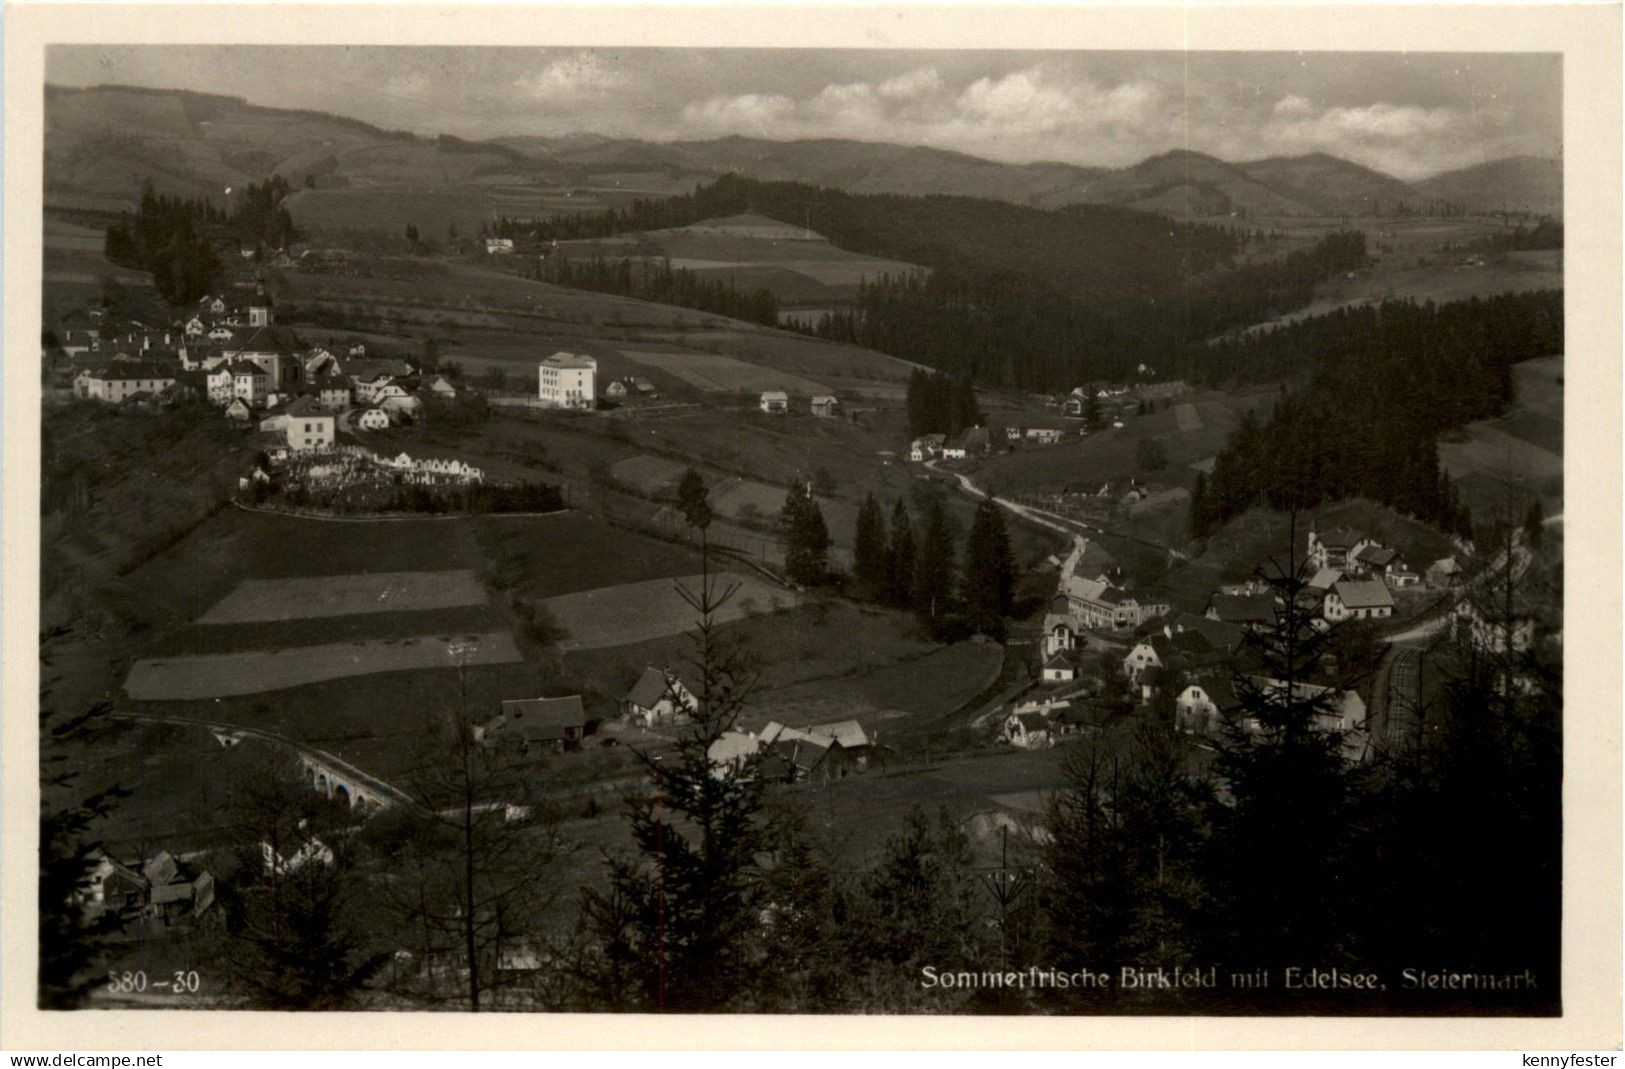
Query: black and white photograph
point(708, 529)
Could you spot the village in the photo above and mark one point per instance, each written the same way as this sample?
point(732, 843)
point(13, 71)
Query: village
point(533, 568)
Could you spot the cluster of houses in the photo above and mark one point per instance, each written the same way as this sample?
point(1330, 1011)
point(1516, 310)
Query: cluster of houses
point(777, 403)
point(253, 369)
point(971, 442)
point(660, 697)
point(1345, 574)
point(820, 752)
point(152, 896)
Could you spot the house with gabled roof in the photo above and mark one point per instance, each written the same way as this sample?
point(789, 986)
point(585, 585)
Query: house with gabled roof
point(527, 726)
point(1028, 731)
point(1251, 612)
point(1206, 704)
point(1387, 564)
point(1337, 547)
point(659, 697)
point(775, 402)
point(1358, 599)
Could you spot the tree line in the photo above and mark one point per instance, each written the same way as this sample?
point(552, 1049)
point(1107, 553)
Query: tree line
point(664, 284)
point(941, 404)
point(1385, 382)
point(176, 238)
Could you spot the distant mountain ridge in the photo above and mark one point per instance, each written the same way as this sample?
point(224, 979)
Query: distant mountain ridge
point(103, 142)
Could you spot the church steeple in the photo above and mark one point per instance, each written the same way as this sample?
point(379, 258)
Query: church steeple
point(261, 312)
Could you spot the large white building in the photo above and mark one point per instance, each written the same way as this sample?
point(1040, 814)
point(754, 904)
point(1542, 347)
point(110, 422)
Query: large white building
point(566, 380)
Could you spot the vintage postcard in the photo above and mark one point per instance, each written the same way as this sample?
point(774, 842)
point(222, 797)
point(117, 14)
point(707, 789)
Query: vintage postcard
point(666, 516)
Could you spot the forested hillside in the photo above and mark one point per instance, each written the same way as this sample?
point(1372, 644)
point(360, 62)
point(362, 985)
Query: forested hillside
point(1387, 380)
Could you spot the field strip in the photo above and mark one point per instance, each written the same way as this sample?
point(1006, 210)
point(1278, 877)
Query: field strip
point(307, 597)
point(723, 374)
point(219, 675)
point(1187, 417)
point(636, 612)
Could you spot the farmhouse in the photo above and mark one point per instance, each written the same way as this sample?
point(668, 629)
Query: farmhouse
point(1203, 707)
point(1223, 637)
point(1029, 731)
point(825, 406)
point(658, 697)
point(1252, 612)
point(822, 751)
point(925, 447)
point(534, 725)
point(1097, 603)
point(150, 895)
point(442, 388)
point(566, 380)
point(1386, 564)
point(122, 381)
point(1337, 547)
point(368, 388)
point(1358, 599)
point(499, 246)
point(373, 419)
point(238, 411)
point(305, 423)
point(776, 402)
point(616, 389)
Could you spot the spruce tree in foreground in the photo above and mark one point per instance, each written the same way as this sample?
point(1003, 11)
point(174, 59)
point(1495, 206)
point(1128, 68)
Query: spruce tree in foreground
point(900, 558)
point(72, 944)
point(674, 930)
point(1278, 848)
point(869, 562)
point(988, 586)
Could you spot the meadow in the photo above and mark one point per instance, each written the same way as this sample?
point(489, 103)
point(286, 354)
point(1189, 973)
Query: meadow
point(1500, 465)
point(635, 612)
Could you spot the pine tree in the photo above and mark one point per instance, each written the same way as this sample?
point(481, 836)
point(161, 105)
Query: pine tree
point(692, 499)
point(933, 591)
point(807, 540)
point(293, 939)
point(900, 559)
point(988, 586)
point(676, 927)
point(1200, 510)
point(869, 551)
point(72, 943)
point(1278, 840)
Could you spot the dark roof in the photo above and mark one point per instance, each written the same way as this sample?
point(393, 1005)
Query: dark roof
point(1220, 690)
point(537, 718)
point(275, 340)
point(1364, 594)
point(1340, 537)
point(652, 687)
point(1221, 636)
point(1380, 556)
point(134, 370)
point(305, 405)
point(1244, 608)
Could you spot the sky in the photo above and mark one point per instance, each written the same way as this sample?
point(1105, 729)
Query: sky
point(1410, 115)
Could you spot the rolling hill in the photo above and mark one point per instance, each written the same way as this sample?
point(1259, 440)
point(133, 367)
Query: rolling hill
point(102, 142)
point(1517, 183)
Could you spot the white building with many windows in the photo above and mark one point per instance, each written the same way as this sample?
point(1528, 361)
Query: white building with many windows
point(566, 380)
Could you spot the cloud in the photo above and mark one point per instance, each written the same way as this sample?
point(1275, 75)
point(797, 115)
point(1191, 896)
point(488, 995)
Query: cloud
point(757, 114)
point(921, 82)
point(579, 75)
point(1024, 114)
